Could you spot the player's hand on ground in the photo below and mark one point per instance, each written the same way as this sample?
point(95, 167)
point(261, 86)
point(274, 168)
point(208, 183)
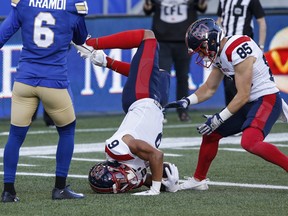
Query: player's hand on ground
point(172, 181)
point(150, 192)
point(183, 103)
point(211, 124)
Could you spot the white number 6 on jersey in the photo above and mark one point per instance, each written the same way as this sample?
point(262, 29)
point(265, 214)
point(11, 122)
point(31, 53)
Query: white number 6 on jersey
point(43, 37)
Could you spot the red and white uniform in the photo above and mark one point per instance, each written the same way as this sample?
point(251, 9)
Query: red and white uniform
point(137, 123)
point(237, 49)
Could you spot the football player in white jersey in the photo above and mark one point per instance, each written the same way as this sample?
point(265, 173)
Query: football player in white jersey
point(135, 143)
point(254, 109)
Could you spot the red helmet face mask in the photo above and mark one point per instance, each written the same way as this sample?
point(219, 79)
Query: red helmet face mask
point(205, 56)
point(203, 38)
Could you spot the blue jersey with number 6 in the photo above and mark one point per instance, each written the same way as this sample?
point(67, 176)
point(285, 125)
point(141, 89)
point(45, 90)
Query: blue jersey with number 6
point(47, 28)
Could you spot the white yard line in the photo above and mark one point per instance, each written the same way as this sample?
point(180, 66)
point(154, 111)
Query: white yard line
point(167, 143)
point(73, 158)
point(228, 184)
point(176, 143)
point(23, 165)
point(88, 130)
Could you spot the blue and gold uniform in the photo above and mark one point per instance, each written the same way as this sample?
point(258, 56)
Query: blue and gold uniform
point(47, 28)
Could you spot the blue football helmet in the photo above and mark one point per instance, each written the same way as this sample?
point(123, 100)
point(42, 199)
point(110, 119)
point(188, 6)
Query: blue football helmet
point(112, 177)
point(203, 37)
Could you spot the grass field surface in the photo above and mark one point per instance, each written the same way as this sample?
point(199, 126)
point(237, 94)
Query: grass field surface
point(240, 183)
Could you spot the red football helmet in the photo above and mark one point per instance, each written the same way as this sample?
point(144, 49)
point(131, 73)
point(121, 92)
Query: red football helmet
point(112, 177)
point(203, 37)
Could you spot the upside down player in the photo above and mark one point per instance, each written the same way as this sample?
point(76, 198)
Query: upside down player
point(254, 109)
point(137, 140)
point(47, 30)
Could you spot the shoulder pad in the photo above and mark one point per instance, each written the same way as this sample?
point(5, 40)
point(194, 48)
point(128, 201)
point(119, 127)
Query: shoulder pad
point(81, 7)
point(14, 2)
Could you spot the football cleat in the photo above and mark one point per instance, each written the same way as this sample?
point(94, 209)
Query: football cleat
point(8, 197)
point(66, 193)
point(193, 184)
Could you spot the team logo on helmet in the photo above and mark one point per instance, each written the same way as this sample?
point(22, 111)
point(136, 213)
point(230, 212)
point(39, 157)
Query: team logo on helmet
point(201, 32)
point(203, 38)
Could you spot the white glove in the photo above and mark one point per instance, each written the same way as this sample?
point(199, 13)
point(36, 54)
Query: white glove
point(150, 192)
point(172, 181)
point(154, 190)
point(98, 58)
point(84, 50)
point(211, 124)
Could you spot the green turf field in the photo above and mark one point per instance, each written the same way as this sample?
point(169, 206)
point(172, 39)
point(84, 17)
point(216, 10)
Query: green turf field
point(241, 183)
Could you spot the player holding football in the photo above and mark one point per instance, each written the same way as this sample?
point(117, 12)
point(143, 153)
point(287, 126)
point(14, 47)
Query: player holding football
point(47, 30)
point(146, 89)
point(254, 109)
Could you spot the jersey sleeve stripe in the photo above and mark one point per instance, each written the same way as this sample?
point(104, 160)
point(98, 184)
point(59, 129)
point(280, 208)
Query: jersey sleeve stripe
point(82, 7)
point(125, 157)
point(14, 2)
point(233, 45)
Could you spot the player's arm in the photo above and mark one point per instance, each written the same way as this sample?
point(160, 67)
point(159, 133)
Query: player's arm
point(99, 58)
point(243, 81)
point(146, 152)
point(9, 27)
point(118, 66)
point(203, 93)
point(208, 89)
point(155, 158)
point(80, 31)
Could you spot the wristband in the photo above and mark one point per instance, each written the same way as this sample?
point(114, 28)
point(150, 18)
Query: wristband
point(156, 186)
point(261, 46)
point(225, 114)
point(193, 99)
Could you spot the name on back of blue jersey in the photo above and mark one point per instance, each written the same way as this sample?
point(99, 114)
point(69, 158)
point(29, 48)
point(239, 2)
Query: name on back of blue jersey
point(48, 4)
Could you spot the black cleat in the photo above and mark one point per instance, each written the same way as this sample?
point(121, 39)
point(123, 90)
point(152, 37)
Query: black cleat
point(8, 197)
point(66, 193)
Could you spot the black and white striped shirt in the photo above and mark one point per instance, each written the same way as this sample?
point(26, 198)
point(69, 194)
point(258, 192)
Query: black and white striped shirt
point(237, 16)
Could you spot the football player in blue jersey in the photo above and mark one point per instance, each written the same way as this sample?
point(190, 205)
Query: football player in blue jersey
point(47, 30)
point(135, 143)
